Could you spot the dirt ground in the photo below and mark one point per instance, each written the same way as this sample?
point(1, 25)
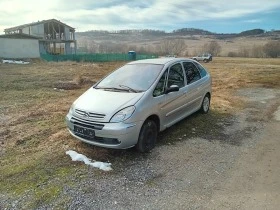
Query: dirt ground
point(254, 180)
point(227, 159)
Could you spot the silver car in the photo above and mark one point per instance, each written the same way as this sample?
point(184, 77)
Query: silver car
point(130, 106)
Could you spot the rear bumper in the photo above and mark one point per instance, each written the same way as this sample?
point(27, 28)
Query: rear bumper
point(109, 135)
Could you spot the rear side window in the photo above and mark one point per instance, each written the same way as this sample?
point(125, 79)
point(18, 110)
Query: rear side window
point(202, 70)
point(192, 73)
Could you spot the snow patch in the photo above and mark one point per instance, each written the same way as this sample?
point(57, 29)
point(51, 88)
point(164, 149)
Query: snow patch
point(97, 164)
point(15, 62)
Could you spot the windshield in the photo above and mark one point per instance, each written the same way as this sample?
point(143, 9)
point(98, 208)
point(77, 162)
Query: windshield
point(136, 77)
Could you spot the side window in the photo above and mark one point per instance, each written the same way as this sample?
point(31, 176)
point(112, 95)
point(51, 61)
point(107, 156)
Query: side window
point(192, 73)
point(176, 76)
point(202, 71)
point(160, 88)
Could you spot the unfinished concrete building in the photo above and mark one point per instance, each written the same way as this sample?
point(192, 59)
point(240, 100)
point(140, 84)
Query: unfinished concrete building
point(54, 36)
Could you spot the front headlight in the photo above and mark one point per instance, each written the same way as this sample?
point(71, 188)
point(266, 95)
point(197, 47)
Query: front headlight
point(72, 108)
point(123, 114)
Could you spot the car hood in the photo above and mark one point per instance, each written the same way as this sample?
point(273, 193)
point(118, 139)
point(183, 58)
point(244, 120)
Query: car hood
point(99, 102)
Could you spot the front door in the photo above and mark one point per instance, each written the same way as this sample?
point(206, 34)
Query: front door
point(173, 106)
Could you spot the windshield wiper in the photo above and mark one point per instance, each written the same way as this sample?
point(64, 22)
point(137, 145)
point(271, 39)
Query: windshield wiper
point(112, 89)
point(123, 88)
point(130, 89)
point(109, 88)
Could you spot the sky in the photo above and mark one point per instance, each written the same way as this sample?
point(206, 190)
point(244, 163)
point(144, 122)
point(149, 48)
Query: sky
point(219, 16)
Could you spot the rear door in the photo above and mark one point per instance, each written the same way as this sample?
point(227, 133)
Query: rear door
point(195, 90)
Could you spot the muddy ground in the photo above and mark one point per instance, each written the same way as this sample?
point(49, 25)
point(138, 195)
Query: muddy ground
point(227, 159)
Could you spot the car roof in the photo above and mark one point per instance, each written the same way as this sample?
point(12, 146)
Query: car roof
point(159, 61)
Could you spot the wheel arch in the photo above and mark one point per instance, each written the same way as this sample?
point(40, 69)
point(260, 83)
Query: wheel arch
point(206, 94)
point(156, 119)
point(209, 94)
point(146, 144)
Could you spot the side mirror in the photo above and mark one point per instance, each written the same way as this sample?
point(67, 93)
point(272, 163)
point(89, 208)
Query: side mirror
point(172, 88)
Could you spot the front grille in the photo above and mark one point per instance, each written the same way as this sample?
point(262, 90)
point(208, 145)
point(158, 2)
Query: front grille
point(90, 114)
point(86, 123)
point(100, 139)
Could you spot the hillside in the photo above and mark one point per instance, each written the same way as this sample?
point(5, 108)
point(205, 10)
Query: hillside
point(150, 40)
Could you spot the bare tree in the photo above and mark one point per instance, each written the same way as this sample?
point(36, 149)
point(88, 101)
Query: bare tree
point(132, 48)
point(257, 51)
point(179, 47)
point(164, 47)
point(120, 48)
point(243, 52)
point(172, 47)
point(103, 47)
point(213, 47)
point(92, 47)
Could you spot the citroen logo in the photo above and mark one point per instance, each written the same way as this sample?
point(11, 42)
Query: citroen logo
point(86, 114)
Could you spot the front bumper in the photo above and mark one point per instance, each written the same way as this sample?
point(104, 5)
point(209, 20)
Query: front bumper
point(109, 135)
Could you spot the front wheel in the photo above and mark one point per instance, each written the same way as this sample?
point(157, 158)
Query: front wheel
point(205, 60)
point(205, 104)
point(147, 137)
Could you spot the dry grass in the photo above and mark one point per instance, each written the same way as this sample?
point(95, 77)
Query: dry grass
point(229, 74)
point(33, 135)
point(227, 45)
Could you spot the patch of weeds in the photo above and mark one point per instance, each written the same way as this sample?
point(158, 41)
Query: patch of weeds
point(42, 178)
point(33, 140)
point(45, 195)
point(18, 179)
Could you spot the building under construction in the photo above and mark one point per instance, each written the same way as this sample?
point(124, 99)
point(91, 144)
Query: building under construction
point(54, 37)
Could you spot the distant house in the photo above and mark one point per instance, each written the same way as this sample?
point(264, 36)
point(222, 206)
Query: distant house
point(42, 37)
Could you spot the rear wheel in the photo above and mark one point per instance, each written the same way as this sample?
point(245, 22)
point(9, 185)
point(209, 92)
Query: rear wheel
point(205, 60)
point(205, 104)
point(147, 137)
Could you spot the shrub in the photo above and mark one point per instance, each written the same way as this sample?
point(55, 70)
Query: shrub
point(272, 49)
point(232, 54)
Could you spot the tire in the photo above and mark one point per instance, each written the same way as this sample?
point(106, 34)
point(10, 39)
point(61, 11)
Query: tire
point(205, 60)
point(147, 137)
point(205, 104)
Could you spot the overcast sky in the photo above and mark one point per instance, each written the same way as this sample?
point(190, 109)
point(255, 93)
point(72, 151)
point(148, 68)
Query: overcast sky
point(217, 15)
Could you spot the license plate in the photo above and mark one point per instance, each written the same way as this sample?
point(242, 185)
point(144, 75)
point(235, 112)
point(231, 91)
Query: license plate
point(84, 131)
